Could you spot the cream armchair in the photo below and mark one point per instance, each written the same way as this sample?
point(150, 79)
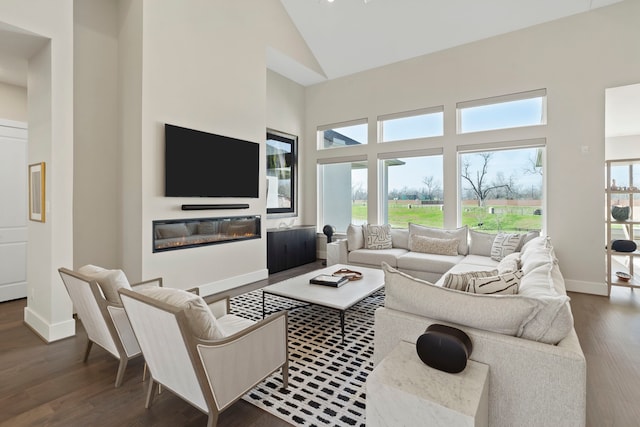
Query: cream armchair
point(99, 308)
point(210, 374)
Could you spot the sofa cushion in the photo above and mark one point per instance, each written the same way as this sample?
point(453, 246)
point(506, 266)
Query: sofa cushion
point(400, 238)
point(535, 257)
point(504, 244)
point(432, 245)
point(537, 319)
point(432, 263)
point(108, 280)
point(480, 243)
point(555, 321)
point(530, 235)
point(509, 264)
point(377, 236)
point(355, 237)
point(460, 281)
point(503, 314)
point(460, 234)
point(376, 256)
point(201, 320)
point(501, 284)
point(479, 261)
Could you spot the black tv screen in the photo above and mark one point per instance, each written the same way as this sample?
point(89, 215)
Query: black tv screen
point(201, 164)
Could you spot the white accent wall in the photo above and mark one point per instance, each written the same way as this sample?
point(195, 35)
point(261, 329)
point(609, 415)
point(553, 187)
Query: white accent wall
point(574, 58)
point(50, 121)
point(201, 67)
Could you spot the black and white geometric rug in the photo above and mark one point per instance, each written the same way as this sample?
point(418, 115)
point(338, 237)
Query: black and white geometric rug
point(326, 378)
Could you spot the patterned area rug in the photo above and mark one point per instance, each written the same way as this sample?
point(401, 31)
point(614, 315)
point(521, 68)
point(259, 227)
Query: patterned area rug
point(326, 378)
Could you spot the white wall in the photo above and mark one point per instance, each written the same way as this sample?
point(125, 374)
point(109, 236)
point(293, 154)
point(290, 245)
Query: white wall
point(97, 163)
point(574, 58)
point(285, 113)
point(13, 102)
point(192, 75)
point(50, 119)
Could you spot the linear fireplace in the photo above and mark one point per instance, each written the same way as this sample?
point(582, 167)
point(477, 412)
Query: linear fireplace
point(189, 233)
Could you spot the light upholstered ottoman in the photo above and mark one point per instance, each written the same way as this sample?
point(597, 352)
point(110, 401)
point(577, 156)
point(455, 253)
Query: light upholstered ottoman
point(403, 391)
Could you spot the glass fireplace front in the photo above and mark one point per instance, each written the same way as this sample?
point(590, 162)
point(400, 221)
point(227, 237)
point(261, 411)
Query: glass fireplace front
point(189, 233)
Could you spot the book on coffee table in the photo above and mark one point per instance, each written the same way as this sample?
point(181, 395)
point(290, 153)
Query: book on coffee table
point(328, 280)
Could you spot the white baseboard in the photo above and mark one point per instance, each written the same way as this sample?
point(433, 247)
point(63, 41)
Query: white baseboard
point(49, 332)
point(13, 291)
point(595, 288)
point(233, 282)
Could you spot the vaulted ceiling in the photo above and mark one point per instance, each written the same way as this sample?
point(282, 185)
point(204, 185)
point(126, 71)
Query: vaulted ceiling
point(348, 36)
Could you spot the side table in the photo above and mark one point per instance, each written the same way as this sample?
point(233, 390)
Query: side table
point(403, 391)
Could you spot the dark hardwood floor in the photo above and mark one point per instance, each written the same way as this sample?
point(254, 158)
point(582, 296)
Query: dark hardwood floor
point(47, 384)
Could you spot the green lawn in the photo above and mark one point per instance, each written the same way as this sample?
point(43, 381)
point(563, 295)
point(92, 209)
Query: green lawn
point(505, 218)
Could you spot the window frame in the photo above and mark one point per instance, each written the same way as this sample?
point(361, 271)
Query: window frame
point(539, 143)
point(286, 138)
point(321, 129)
point(501, 99)
point(407, 114)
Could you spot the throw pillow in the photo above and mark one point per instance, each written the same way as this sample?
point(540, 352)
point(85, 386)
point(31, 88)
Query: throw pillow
point(432, 245)
point(377, 236)
point(460, 234)
point(480, 243)
point(201, 320)
point(355, 237)
point(460, 281)
point(504, 244)
point(509, 264)
point(504, 284)
point(530, 235)
point(108, 280)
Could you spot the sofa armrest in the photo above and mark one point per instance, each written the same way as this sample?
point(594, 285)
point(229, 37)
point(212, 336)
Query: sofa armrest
point(548, 380)
point(337, 252)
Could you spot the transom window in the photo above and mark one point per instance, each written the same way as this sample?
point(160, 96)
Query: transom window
point(502, 112)
point(425, 123)
point(343, 135)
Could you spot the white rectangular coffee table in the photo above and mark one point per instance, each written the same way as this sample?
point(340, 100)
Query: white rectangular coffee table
point(299, 289)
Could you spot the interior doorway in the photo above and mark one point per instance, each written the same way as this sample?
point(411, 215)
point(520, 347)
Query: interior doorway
point(13, 215)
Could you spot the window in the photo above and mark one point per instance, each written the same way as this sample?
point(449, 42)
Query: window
point(281, 173)
point(343, 194)
point(343, 135)
point(412, 190)
point(411, 125)
point(502, 112)
point(502, 190)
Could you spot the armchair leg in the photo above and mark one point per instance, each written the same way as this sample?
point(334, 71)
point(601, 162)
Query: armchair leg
point(285, 375)
point(87, 350)
point(212, 421)
point(121, 368)
point(147, 403)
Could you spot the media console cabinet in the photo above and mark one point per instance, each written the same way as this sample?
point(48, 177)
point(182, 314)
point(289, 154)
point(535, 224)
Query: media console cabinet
point(290, 247)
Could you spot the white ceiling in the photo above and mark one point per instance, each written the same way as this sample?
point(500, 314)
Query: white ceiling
point(348, 36)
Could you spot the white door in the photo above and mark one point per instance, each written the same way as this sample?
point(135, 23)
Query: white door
point(13, 210)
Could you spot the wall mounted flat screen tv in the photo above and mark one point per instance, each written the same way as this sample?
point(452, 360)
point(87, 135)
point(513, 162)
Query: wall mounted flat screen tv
point(201, 164)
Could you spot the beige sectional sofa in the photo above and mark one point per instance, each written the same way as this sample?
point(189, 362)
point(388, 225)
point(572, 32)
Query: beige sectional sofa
point(537, 370)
